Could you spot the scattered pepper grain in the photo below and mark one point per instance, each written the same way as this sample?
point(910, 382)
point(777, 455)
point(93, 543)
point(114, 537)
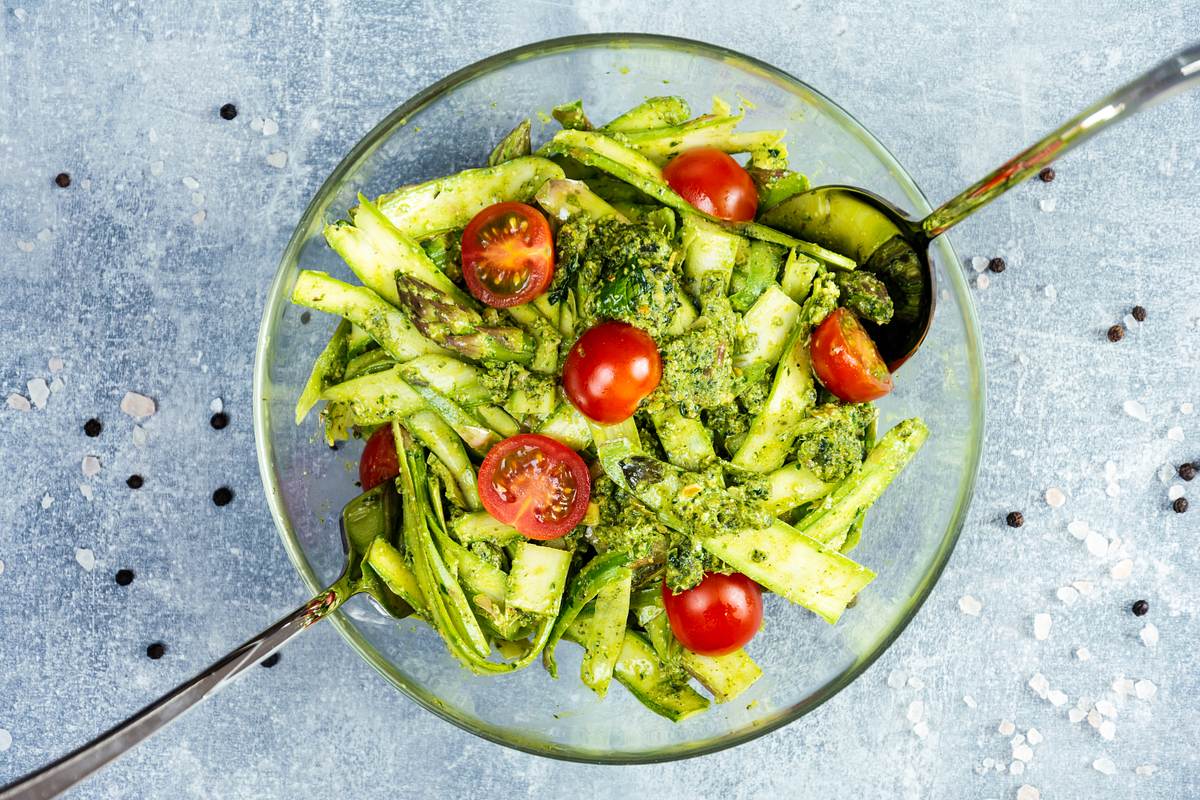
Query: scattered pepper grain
point(228, 111)
point(1047, 174)
point(1140, 608)
point(1015, 519)
point(997, 264)
point(1116, 333)
point(1139, 313)
point(62, 180)
point(1180, 505)
point(93, 427)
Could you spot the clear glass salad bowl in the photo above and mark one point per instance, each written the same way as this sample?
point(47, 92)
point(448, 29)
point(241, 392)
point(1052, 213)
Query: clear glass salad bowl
point(909, 534)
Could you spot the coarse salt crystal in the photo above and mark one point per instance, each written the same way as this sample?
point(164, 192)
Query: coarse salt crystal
point(915, 683)
point(970, 701)
point(1094, 719)
point(199, 217)
point(139, 436)
point(56, 385)
point(1084, 587)
point(1077, 528)
point(1130, 321)
point(1106, 708)
point(39, 392)
point(1186, 408)
point(989, 762)
point(55, 364)
point(270, 127)
point(86, 558)
point(137, 405)
point(1112, 490)
point(1097, 545)
point(1047, 204)
point(921, 730)
point(1175, 492)
point(1016, 740)
point(896, 678)
point(256, 124)
point(191, 183)
point(1033, 736)
point(1166, 472)
point(1175, 434)
point(86, 491)
point(1149, 634)
point(1023, 752)
point(1057, 697)
point(18, 402)
point(1136, 410)
point(1144, 689)
point(1027, 792)
point(1016, 768)
point(278, 159)
point(1084, 702)
point(979, 263)
point(215, 405)
point(916, 710)
point(24, 246)
point(983, 282)
point(1083, 654)
point(1121, 570)
point(1051, 292)
point(1067, 594)
point(5, 736)
point(1039, 684)
point(1123, 686)
point(47, 501)
point(90, 466)
point(1076, 714)
point(1105, 765)
point(1055, 498)
point(197, 199)
point(1006, 728)
point(156, 168)
point(1108, 730)
point(1145, 769)
point(969, 605)
point(1041, 626)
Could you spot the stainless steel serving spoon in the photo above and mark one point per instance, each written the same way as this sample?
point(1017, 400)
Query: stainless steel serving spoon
point(361, 521)
point(885, 240)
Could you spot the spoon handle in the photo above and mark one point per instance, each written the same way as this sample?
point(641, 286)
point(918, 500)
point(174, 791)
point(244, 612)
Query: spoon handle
point(52, 780)
point(1180, 71)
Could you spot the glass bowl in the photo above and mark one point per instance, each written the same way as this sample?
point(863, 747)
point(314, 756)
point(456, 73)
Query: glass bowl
point(910, 532)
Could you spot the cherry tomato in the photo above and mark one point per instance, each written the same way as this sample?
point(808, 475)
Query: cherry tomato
point(610, 369)
point(538, 485)
point(379, 462)
point(846, 360)
point(507, 254)
point(717, 616)
point(713, 182)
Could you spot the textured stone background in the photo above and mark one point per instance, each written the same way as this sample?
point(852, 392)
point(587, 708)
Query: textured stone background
point(120, 277)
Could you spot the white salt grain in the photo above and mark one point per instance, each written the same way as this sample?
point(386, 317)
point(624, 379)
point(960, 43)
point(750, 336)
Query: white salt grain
point(198, 199)
point(1175, 434)
point(1123, 686)
point(56, 385)
point(921, 730)
point(18, 402)
point(1097, 545)
point(896, 679)
point(256, 124)
point(1076, 714)
point(1105, 765)
point(156, 168)
point(1145, 769)
point(1136, 410)
point(1016, 768)
point(916, 710)
point(1083, 654)
point(1108, 730)
point(139, 436)
point(1033, 736)
point(983, 282)
point(1055, 498)
point(1041, 626)
point(90, 466)
point(1145, 689)
point(1, 567)
point(86, 491)
point(1094, 719)
point(1039, 684)
point(970, 701)
point(47, 501)
point(1112, 490)
point(1047, 204)
point(1186, 408)
point(915, 683)
point(1106, 708)
point(1016, 740)
point(969, 605)
point(1121, 570)
point(191, 183)
point(137, 405)
point(199, 217)
point(86, 558)
point(1051, 292)
point(1027, 792)
point(215, 405)
point(1084, 587)
point(1067, 594)
point(270, 127)
point(39, 392)
point(278, 159)
point(56, 365)
point(1006, 728)
point(1057, 697)
point(979, 263)
point(1077, 528)
point(1175, 492)
point(1023, 752)
point(5, 736)
point(24, 246)
point(1149, 634)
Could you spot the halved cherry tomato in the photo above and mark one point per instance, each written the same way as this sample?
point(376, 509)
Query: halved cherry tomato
point(846, 360)
point(379, 462)
point(610, 369)
point(538, 485)
point(507, 254)
point(713, 182)
point(717, 616)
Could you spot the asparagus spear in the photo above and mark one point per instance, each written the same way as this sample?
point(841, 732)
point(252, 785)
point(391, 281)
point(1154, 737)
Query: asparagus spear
point(515, 144)
point(458, 328)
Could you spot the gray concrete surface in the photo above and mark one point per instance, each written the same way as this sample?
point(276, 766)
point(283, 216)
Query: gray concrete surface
point(120, 277)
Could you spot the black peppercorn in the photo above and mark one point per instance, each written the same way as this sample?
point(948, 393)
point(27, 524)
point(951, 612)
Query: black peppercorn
point(62, 180)
point(997, 264)
point(219, 420)
point(228, 111)
point(1139, 313)
point(1047, 174)
point(134, 481)
point(222, 496)
point(1187, 471)
point(270, 660)
point(124, 577)
point(1015, 519)
point(1116, 333)
point(1140, 608)
point(92, 427)
point(1180, 505)
point(156, 650)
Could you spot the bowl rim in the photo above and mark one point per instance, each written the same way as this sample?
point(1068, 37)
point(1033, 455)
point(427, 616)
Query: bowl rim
point(305, 228)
